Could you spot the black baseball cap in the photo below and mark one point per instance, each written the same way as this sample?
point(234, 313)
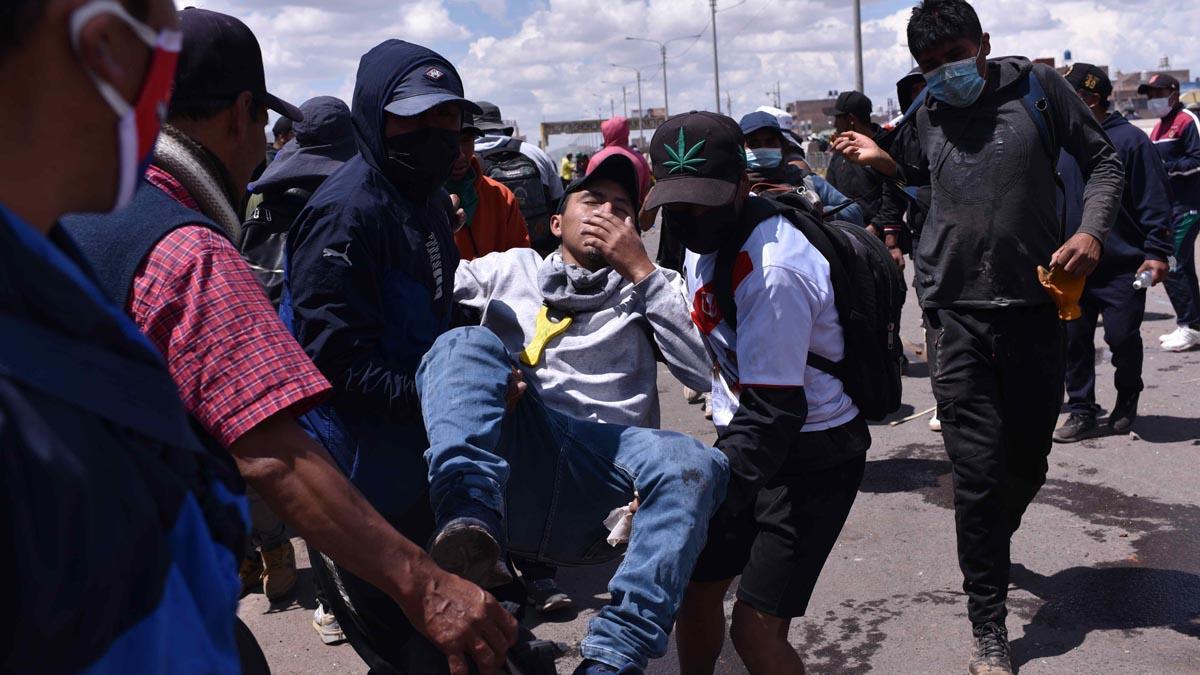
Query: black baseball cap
point(469, 125)
point(852, 103)
point(698, 159)
point(220, 59)
point(489, 119)
point(1159, 81)
point(432, 82)
point(615, 167)
point(282, 126)
point(1089, 78)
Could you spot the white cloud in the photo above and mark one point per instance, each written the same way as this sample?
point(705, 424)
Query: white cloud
point(548, 59)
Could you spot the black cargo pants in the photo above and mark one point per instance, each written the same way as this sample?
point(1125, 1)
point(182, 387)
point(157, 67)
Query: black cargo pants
point(998, 380)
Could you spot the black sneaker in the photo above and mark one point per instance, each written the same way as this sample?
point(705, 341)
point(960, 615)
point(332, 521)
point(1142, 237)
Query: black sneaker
point(467, 547)
point(992, 656)
point(546, 596)
point(1077, 427)
point(1124, 413)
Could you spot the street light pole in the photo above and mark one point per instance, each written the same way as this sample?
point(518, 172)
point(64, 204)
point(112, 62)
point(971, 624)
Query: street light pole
point(641, 110)
point(858, 55)
point(716, 69)
point(662, 50)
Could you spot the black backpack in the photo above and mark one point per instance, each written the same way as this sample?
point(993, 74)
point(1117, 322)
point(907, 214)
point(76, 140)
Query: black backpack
point(264, 237)
point(506, 164)
point(868, 292)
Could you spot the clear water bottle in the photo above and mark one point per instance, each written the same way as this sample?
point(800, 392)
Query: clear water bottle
point(1143, 280)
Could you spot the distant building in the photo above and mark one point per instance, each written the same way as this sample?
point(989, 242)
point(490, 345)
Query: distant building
point(809, 116)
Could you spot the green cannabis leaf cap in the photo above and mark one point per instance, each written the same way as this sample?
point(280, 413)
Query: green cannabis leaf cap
point(697, 158)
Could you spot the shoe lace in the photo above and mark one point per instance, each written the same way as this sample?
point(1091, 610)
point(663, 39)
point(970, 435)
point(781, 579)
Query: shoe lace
point(993, 642)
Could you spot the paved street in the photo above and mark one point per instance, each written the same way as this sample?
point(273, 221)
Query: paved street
point(1107, 574)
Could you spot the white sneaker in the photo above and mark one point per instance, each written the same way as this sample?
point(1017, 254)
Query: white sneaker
point(1188, 339)
point(935, 424)
point(327, 626)
point(1173, 335)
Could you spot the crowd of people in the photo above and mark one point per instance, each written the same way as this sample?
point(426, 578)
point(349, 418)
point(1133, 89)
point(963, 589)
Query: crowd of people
point(415, 342)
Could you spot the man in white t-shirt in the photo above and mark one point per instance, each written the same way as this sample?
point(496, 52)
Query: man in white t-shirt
point(796, 443)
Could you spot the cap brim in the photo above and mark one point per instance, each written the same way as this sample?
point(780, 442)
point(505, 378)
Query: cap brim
point(753, 128)
point(617, 168)
point(474, 129)
point(282, 107)
point(691, 190)
point(415, 105)
point(833, 112)
point(1142, 89)
point(502, 129)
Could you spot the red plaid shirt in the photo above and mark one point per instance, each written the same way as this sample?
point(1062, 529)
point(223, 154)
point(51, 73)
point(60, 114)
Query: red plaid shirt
point(232, 358)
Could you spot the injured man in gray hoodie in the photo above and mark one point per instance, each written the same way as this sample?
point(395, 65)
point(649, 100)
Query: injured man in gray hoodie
point(543, 419)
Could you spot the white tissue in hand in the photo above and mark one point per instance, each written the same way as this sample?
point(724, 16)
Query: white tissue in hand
point(620, 525)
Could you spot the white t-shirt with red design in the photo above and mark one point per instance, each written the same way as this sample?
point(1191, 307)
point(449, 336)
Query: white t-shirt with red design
point(785, 310)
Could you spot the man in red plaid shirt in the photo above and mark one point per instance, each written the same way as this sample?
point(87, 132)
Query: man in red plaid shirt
point(240, 373)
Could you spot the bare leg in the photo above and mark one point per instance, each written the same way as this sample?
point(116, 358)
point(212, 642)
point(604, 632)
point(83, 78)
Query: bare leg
point(762, 642)
point(700, 627)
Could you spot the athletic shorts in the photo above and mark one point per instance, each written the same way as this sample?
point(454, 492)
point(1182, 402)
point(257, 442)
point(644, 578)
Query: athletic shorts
point(780, 544)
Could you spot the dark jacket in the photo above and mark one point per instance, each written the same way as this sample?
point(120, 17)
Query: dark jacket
point(790, 175)
point(993, 216)
point(859, 183)
point(121, 533)
point(899, 213)
point(370, 279)
point(1143, 227)
point(1177, 139)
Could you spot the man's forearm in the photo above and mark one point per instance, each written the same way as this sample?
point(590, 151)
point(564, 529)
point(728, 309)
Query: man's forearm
point(302, 485)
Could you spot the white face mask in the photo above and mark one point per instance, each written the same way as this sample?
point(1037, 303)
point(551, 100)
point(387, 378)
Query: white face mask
point(1159, 107)
point(137, 124)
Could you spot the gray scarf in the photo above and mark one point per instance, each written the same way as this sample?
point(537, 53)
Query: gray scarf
point(201, 175)
point(572, 289)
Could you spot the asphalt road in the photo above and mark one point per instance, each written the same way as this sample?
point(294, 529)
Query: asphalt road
point(1107, 562)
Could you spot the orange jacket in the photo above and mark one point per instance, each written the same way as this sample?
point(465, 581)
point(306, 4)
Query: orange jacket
point(497, 225)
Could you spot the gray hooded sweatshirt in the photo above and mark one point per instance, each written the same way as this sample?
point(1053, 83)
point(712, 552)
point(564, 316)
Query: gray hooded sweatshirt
point(604, 367)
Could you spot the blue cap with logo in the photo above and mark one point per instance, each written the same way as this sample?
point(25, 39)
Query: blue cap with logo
point(426, 85)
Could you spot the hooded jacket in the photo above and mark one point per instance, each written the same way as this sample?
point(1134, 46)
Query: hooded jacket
point(993, 218)
point(1143, 227)
point(370, 279)
point(616, 141)
point(497, 223)
point(898, 215)
point(1177, 139)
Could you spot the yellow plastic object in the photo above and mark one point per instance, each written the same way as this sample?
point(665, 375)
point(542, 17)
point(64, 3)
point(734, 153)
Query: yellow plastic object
point(1065, 289)
point(546, 330)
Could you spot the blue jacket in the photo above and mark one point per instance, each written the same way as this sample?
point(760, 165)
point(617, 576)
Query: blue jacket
point(122, 535)
point(369, 280)
point(1177, 139)
point(1143, 226)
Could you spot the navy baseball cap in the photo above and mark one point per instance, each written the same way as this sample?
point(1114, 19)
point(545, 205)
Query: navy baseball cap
point(426, 85)
point(220, 59)
point(1159, 81)
point(754, 121)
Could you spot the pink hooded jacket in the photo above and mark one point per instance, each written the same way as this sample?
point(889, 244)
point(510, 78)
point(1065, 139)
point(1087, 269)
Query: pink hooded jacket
point(616, 141)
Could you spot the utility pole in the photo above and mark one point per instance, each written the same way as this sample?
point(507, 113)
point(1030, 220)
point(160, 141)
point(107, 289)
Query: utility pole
point(716, 68)
point(858, 54)
point(662, 50)
point(624, 102)
point(612, 107)
point(728, 104)
point(641, 110)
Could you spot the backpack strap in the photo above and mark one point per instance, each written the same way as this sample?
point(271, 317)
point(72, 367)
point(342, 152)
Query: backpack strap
point(755, 211)
point(1033, 97)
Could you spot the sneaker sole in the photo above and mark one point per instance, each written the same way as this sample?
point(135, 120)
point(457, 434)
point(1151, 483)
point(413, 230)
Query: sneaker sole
point(1180, 348)
point(471, 553)
point(327, 637)
point(555, 604)
point(1094, 433)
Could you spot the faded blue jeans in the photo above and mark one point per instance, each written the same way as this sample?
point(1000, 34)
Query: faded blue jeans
point(555, 478)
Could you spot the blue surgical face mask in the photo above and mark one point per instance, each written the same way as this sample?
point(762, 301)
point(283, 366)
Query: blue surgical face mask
point(764, 158)
point(1159, 107)
point(957, 83)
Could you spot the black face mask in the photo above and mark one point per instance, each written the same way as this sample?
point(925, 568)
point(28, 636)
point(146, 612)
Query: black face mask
point(705, 233)
point(419, 162)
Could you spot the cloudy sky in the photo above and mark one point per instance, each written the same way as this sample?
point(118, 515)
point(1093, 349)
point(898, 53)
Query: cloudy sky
point(547, 60)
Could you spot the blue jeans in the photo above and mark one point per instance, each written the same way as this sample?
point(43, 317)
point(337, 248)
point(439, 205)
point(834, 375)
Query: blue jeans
point(555, 478)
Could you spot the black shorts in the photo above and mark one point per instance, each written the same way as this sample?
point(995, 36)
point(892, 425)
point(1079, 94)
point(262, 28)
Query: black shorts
point(780, 545)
